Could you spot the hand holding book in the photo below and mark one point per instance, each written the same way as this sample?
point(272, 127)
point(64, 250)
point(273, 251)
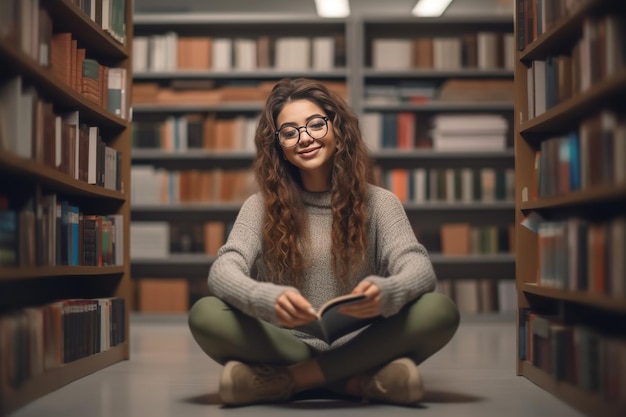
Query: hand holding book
point(345, 314)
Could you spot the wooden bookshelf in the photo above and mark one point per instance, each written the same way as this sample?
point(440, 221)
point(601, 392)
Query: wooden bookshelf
point(570, 298)
point(37, 282)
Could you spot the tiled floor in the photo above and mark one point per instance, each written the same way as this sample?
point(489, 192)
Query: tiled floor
point(474, 376)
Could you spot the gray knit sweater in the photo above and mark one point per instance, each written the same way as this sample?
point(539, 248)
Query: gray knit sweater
point(395, 261)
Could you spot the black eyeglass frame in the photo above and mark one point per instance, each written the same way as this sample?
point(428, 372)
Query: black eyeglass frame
point(276, 133)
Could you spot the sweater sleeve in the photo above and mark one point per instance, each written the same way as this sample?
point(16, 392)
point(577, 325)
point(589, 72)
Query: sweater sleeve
point(405, 267)
point(230, 275)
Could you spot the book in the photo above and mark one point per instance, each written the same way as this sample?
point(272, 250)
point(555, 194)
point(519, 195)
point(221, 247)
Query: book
point(331, 324)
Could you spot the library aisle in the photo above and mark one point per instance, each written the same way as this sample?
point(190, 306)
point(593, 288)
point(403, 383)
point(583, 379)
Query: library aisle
point(168, 375)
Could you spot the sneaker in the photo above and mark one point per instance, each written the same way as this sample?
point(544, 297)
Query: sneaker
point(399, 382)
point(242, 384)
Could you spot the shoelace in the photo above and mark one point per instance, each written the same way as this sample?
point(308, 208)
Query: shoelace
point(271, 382)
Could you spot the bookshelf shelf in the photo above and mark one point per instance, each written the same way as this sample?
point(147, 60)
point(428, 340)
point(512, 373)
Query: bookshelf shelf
point(589, 403)
point(196, 265)
point(52, 86)
point(25, 273)
point(600, 194)
point(53, 178)
point(265, 74)
point(68, 17)
point(564, 32)
point(564, 114)
point(52, 379)
point(437, 107)
point(434, 74)
point(242, 107)
point(599, 301)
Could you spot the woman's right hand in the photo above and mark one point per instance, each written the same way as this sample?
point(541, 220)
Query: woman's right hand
point(293, 310)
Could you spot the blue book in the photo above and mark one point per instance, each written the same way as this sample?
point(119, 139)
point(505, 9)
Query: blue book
point(73, 220)
point(574, 163)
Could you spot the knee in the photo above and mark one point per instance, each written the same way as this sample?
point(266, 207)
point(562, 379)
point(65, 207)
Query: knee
point(442, 313)
point(202, 312)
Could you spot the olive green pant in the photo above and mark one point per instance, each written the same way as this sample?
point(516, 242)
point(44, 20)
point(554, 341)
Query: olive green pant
point(417, 331)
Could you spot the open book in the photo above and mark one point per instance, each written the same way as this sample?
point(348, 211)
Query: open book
point(331, 324)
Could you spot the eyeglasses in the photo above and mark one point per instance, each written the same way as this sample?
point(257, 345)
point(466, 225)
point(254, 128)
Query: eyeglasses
point(289, 136)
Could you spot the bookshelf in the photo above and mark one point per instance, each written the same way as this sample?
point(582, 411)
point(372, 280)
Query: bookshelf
point(354, 72)
point(391, 93)
point(570, 80)
point(48, 275)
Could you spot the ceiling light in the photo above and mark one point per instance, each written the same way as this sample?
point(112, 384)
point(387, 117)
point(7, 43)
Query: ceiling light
point(430, 8)
point(332, 8)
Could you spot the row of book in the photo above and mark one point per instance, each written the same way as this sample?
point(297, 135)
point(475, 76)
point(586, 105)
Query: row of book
point(599, 54)
point(476, 132)
point(207, 93)
point(49, 230)
point(580, 255)
point(451, 90)
point(575, 354)
point(590, 157)
point(31, 129)
point(450, 185)
point(160, 239)
point(483, 50)
point(474, 296)
point(460, 239)
point(171, 51)
point(43, 338)
point(156, 186)
point(196, 131)
point(104, 85)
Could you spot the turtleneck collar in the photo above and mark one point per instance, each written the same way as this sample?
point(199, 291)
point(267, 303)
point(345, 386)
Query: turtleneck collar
point(316, 199)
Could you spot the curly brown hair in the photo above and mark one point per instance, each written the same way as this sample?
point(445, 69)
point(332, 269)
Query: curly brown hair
point(285, 231)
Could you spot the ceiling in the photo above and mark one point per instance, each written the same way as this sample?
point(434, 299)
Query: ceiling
point(358, 7)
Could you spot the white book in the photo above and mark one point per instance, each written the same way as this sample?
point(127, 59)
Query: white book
point(487, 43)
point(539, 77)
point(450, 182)
point(467, 185)
point(245, 54)
point(171, 45)
point(92, 165)
point(371, 130)
point(222, 54)
point(24, 145)
point(420, 179)
point(140, 54)
point(149, 240)
point(509, 51)
point(507, 296)
point(145, 183)
point(323, 53)
point(293, 53)
point(468, 143)
point(392, 54)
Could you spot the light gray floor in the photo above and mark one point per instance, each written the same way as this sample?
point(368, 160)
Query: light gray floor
point(474, 376)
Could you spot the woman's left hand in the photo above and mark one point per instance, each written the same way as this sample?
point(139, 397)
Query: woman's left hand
point(370, 307)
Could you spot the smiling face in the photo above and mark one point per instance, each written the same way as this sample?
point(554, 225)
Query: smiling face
point(313, 157)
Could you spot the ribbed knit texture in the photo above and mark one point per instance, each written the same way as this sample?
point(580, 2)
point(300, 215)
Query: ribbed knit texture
point(395, 260)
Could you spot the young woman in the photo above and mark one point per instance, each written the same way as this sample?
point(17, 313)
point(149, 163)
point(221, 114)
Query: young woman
point(318, 229)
